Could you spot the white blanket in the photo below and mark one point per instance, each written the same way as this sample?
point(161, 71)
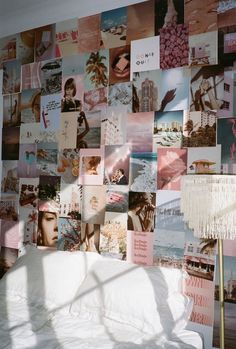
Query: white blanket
point(24, 326)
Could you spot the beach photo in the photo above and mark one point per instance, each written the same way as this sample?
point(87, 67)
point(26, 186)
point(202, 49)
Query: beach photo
point(114, 27)
point(29, 133)
point(47, 158)
point(168, 129)
point(92, 138)
point(143, 172)
point(168, 250)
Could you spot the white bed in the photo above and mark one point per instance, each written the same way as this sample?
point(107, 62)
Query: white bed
point(110, 309)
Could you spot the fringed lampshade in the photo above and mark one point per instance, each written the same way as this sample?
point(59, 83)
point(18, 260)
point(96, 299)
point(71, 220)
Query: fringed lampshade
point(208, 203)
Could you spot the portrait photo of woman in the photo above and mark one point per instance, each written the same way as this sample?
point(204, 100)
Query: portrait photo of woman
point(70, 102)
point(141, 212)
point(47, 229)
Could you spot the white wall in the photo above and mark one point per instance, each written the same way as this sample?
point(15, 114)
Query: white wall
point(20, 15)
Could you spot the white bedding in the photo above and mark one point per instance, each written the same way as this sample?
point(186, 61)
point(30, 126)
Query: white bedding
point(97, 305)
point(24, 326)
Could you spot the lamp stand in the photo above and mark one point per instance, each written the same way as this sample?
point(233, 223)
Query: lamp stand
point(208, 203)
point(221, 293)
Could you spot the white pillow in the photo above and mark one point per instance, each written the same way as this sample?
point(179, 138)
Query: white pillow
point(49, 278)
point(176, 311)
point(127, 293)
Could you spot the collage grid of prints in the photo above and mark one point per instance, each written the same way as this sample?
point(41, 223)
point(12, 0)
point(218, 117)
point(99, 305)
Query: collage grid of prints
point(102, 116)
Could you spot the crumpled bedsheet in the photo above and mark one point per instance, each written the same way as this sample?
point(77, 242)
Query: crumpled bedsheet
point(27, 326)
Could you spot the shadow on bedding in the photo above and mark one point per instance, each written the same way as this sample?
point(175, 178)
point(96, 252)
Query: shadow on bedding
point(23, 310)
point(135, 305)
point(139, 299)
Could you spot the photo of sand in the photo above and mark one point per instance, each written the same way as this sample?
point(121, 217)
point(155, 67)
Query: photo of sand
point(113, 28)
point(89, 33)
point(201, 19)
point(140, 21)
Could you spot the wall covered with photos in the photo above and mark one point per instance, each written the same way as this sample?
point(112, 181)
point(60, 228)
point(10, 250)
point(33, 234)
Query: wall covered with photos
point(101, 117)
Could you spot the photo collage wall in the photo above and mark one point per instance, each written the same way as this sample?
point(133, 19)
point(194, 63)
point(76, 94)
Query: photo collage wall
point(101, 118)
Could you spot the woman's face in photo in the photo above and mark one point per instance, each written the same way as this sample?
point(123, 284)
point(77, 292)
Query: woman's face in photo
point(69, 91)
point(91, 164)
point(94, 203)
point(49, 229)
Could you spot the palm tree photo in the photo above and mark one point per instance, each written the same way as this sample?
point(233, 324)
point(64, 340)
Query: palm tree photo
point(96, 68)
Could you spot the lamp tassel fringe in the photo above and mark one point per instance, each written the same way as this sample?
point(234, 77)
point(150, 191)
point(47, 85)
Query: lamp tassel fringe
point(209, 205)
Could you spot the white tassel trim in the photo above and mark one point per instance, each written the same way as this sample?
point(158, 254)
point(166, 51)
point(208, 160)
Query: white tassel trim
point(208, 203)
